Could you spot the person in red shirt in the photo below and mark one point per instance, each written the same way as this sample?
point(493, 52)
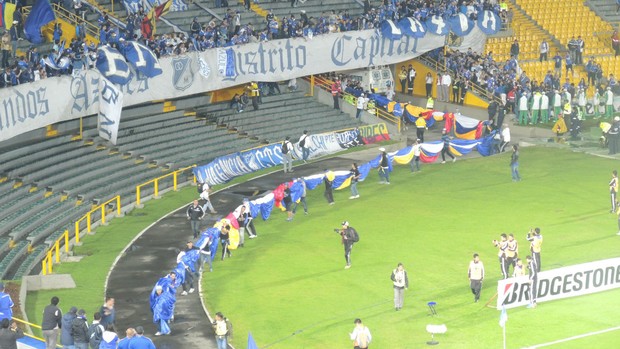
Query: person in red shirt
point(336, 90)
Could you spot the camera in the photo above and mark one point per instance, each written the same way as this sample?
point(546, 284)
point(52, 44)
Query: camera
point(336, 230)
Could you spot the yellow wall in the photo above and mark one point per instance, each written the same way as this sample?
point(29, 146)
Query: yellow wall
point(226, 94)
point(68, 32)
point(419, 88)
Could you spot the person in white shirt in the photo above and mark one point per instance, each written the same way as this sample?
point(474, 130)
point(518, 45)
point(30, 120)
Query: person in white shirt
point(446, 81)
point(389, 94)
point(505, 138)
point(360, 336)
point(305, 146)
point(415, 160)
point(475, 273)
point(361, 100)
point(206, 190)
point(544, 50)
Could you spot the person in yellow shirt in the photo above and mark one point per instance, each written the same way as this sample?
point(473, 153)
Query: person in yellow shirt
point(519, 269)
point(512, 252)
point(536, 241)
point(402, 76)
point(420, 124)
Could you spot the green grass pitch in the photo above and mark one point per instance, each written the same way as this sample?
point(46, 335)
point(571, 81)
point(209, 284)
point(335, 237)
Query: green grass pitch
point(289, 288)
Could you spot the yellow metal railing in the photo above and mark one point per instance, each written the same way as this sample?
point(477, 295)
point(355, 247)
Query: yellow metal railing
point(155, 183)
point(53, 254)
point(325, 84)
point(74, 19)
point(101, 8)
point(441, 66)
point(32, 325)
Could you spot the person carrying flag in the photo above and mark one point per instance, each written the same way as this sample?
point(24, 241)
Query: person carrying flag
point(384, 167)
point(446, 147)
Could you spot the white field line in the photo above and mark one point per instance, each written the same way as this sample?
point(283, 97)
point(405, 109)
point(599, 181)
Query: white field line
point(573, 338)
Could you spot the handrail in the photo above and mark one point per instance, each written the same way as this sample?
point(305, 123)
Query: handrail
point(439, 65)
point(30, 324)
point(75, 19)
point(155, 182)
point(381, 114)
point(53, 254)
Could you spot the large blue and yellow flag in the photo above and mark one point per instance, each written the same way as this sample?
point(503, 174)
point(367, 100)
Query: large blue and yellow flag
point(40, 15)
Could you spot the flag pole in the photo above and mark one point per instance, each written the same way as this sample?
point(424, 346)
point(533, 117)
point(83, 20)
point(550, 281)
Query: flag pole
point(504, 331)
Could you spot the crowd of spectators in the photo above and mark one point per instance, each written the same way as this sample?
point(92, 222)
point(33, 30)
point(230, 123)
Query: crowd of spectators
point(70, 57)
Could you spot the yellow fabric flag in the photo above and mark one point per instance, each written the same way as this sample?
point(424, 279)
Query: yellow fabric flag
point(9, 9)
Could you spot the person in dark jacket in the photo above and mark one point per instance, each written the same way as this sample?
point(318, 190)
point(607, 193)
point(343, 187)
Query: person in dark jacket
point(51, 324)
point(9, 334)
point(79, 330)
point(384, 167)
point(66, 339)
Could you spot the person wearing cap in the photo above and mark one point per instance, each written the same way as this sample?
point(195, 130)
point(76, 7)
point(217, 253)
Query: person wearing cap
point(130, 333)
point(360, 336)
point(416, 148)
point(6, 304)
point(401, 283)
point(79, 330)
point(139, 341)
point(287, 155)
point(384, 167)
point(305, 146)
point(66, 339)
point(475, 273)
point(349, 236)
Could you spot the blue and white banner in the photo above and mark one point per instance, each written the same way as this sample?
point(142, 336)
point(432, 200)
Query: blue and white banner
point(411, 26)
point(142, 59)
point(110, 109)
point(225, 168)
point(489, 22)
point(461, 25)
point(132, 6)
point(35, 105)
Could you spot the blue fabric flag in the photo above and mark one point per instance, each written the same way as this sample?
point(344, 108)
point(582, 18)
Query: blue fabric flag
point(266, 208)
point(460, 24)
point(251, 343)
point(437, 25)
point(142, 59)
point(412, 27)
point(489, 22)
point(113, 66)
point(390, 30)
point(132, 6)
point(230, 62)
point(40, 15)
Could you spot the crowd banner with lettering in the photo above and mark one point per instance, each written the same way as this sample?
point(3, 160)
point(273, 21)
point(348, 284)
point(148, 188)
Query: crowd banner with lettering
point(35, 105)
point(225, 168)
point(110, 108)
point(571, 281)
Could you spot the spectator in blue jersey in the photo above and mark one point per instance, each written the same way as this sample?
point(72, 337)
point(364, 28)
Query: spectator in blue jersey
point(569, 63)
point(130, 333)
point(109, 339)
point(57, 33)
point(6, 304)
point(557, 65)
point(66, 339)
point(139, 341)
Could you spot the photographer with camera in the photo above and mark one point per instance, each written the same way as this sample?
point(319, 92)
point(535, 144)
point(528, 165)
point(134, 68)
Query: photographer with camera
point(502, 246)
point(349, 237)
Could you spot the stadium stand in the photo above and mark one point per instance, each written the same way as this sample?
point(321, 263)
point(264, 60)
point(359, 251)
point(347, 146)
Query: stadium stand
point(570, 19)
point(607, 10)
point(49, 184)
